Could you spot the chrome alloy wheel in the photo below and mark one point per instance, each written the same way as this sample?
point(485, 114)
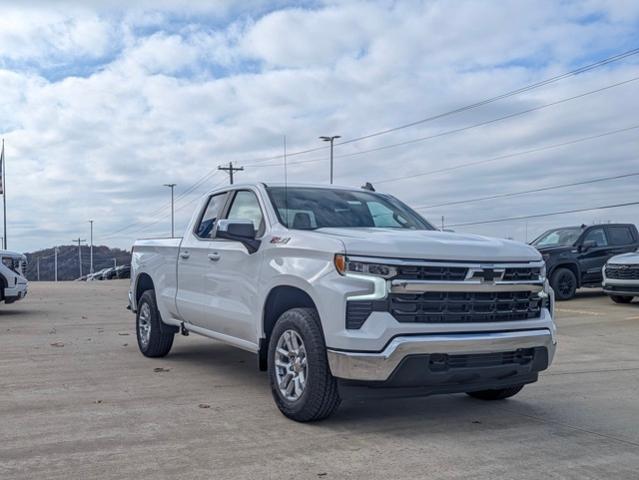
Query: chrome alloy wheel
point(144, 324)
point(291, 370)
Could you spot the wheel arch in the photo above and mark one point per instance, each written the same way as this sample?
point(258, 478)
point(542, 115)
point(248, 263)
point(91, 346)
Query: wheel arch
point(143, 282)
point(279, 299)
point(572, 266)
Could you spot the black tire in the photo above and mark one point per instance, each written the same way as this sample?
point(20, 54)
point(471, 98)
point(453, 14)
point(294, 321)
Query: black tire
point(621, 298)
point(498, 394)
point(320, 396)
point(564, 283)
point(160, 340)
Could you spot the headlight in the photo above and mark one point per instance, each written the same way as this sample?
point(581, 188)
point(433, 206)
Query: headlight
point(344, 265)
point(542, 271)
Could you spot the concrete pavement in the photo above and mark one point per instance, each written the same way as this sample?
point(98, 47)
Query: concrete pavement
point(78, 401)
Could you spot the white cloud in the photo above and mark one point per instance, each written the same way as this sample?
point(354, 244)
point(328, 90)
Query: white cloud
point(167, 94)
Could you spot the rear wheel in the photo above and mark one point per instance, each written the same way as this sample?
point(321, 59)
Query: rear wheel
point(153, 340)
point(498, 394)
point(301, 382)
point(564, 283)
point(621, 298)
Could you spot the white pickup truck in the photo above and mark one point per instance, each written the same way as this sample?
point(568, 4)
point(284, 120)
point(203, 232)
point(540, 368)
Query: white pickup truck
point(343, 291)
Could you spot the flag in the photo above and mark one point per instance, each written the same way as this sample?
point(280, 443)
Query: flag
point(2, 169)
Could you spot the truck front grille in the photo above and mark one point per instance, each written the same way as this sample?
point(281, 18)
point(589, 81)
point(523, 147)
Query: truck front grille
point(448, 307)
point(622, 272)
point(439, 362)
point(464, 307)
point(434, 273)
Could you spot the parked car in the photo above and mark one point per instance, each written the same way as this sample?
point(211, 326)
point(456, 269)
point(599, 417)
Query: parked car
point(621, 277)
point(99, 275)
point(344, 292)
point(575, 256)
point(13, 283)
point(123, 271)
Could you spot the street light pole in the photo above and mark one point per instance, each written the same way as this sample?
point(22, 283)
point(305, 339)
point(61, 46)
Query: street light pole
point(91, 248)
point(172, 186)
point(331, 139)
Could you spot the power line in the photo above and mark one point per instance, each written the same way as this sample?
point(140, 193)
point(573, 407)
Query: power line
point(469, 127)
point(509, 155)
point(481, 103)
point(525, 192)
point(572, 73)
point(550, 214)
point(494, 120)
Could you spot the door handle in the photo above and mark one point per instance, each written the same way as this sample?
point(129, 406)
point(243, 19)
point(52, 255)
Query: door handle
point(185, 255)
point(214, 257)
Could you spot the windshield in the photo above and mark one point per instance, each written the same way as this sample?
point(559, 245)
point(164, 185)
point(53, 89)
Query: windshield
point(309, 208)
point(563, 237)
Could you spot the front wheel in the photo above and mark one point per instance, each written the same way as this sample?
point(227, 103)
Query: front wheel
point(498, 394)
point(153, 341)
point(301, 382)
point(621, 298)
point(564, 283)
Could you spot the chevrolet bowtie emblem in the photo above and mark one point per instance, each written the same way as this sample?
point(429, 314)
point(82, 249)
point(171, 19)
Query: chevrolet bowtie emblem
point(486, 275)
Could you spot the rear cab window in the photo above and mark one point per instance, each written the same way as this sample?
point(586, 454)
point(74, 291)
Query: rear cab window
point(620, 235)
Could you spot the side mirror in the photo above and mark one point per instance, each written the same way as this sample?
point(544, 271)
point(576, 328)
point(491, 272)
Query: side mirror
point(241, 231)
point(587, 245)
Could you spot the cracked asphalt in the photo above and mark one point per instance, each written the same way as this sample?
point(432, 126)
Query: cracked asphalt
point(78, 401)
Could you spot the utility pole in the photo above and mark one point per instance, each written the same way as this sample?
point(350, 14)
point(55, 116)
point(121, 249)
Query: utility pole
point(91, 249)
point(230, 169)
point(3, 190)
point(442, 223)
point(172, 187)
point(115, 262)
point(80, 242)
point(38, 265)
point(55, 264)
point(331, 139)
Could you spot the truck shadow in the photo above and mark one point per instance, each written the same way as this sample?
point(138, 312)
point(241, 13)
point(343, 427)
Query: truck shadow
point(229, 366)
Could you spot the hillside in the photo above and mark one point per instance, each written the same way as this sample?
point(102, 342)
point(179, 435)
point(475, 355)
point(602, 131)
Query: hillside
point(68, 261)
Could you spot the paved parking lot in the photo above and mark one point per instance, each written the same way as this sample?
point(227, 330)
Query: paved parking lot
point(77, 400)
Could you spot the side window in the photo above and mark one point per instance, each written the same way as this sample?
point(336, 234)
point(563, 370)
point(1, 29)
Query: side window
point(620, 235)
point(598, 236)
point(211, 215)
point(383, 216)
point(245, 206)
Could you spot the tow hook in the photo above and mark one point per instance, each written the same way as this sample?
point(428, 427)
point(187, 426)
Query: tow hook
point(183, 330)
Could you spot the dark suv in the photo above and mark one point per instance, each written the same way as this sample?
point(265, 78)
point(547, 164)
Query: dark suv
point(574, 256)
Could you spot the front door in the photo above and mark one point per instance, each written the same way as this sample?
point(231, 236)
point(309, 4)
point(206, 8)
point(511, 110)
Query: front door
point(194, 265)
point(234, 274)
point(592, 260)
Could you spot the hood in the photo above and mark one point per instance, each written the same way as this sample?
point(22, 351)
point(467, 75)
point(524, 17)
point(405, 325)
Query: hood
point(631, 258)
point(558, 249)
point(10, 253)
point(429, 245)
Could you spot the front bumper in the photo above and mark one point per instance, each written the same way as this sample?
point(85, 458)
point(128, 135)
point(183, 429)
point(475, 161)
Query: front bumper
point(380, 366)
point(15, 293)
point(613, 286)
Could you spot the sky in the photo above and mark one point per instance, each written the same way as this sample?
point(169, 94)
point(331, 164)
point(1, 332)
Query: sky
point(104, 102)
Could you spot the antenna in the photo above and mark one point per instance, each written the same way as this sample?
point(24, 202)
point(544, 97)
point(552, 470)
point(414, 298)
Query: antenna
point(285, 183)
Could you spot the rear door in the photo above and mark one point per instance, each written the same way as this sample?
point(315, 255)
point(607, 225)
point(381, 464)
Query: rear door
point(592, 260)
point(233, 278)
point(194, 264)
